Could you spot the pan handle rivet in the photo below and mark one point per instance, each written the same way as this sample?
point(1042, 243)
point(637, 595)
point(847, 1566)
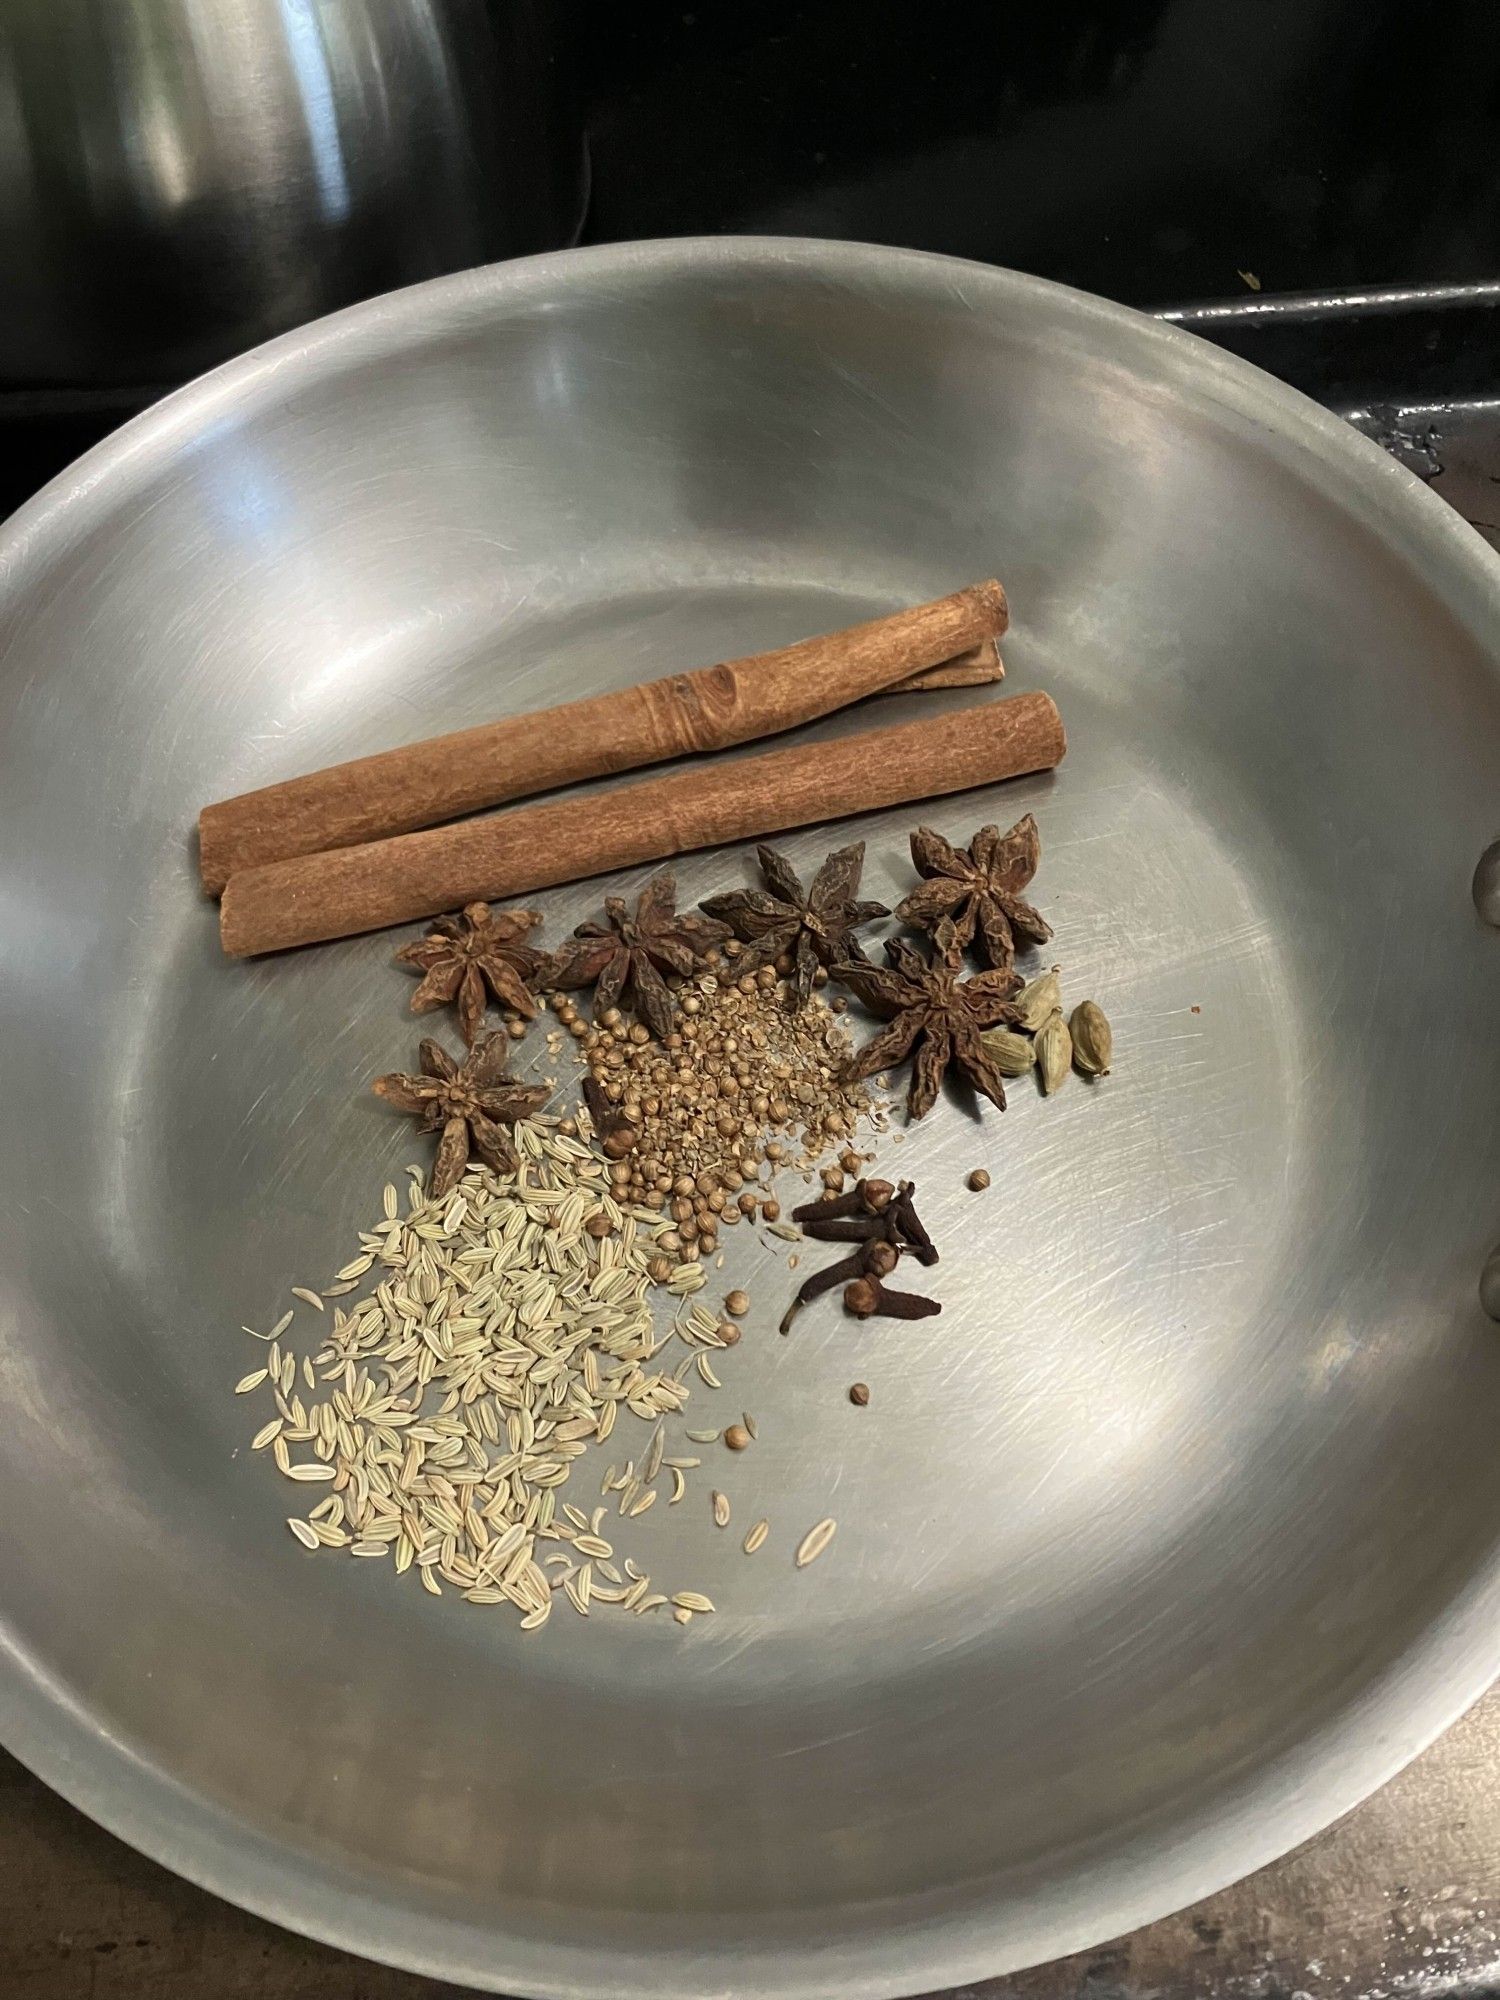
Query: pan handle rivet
point(1487, 884)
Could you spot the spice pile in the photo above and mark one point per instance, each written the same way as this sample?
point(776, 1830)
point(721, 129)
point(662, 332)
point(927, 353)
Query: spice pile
point(442, 1415)
point(510, 1320)
point(505, 1322)
point(694, 1100)
point(740, 1087)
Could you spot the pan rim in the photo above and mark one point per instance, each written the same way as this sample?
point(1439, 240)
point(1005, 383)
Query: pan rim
point(890, 1950)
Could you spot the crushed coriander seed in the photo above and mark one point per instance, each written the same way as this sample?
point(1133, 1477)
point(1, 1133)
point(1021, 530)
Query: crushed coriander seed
point(738, 1086)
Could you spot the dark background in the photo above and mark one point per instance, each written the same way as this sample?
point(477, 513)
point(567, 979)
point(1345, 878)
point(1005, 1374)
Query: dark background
point(1156, 151)
point(1148, 149)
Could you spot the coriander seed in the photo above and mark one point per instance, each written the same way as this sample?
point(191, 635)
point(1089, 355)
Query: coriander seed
point(859, 1394)
point(737, 1437)
point(978, 1181)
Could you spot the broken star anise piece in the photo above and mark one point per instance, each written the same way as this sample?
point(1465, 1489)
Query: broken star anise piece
point(469, 1105)
point(811, 925)
point(936, 1017)
point(461, 956)
point(626, 955)
point(977, 889)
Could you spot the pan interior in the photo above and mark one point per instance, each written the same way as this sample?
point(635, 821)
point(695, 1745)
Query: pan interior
point(1199, 1454)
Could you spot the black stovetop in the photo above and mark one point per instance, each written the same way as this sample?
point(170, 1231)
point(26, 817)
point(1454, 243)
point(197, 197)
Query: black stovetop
point(1143, 149)
point(1156, 151)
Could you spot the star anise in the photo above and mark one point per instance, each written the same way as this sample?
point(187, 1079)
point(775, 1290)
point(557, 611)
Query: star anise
point(470, 1105)
point(626, 955)
point(461, 956)
point(811, 924)
point(976, 889)
point(935, 1013)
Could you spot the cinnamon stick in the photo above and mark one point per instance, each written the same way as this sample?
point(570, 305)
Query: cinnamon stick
point(710, 709)
point(315, 896)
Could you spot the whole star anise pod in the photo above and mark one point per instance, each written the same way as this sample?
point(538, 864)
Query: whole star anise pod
point(976, 889)
point(461, 956)
point(813, 924)
point(470, 1105)
point(936, 1017)
point(626, 955)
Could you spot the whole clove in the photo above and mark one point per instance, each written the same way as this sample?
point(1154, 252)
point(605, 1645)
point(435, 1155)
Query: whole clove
point(908, 1225)
point(833, 1207)
point(819, 1282)
point(869, 1211)
point(883, 1221)
point(867, 1297)
point(848, 1229)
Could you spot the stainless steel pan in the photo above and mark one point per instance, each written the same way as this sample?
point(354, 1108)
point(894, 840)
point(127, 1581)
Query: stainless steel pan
point(1175, 1534)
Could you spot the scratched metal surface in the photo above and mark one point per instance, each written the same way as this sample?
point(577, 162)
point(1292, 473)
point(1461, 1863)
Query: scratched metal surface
point(1175, 1536)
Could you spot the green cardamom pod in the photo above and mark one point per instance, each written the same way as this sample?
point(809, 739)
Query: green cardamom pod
point(1093, 1039)
point(1054, 1051)
point(1012, 1054)
point(1037, 999)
